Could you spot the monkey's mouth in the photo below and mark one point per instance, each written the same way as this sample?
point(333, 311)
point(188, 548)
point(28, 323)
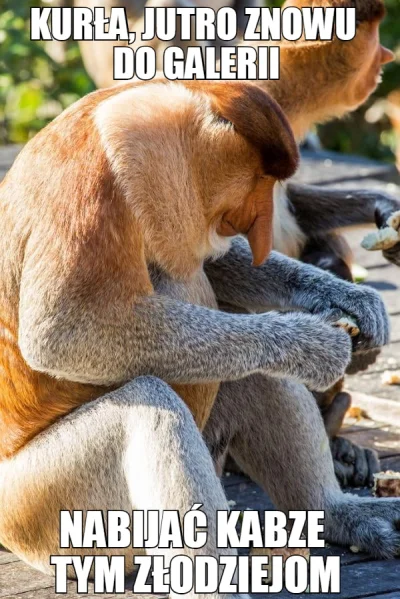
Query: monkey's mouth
point(379, 77)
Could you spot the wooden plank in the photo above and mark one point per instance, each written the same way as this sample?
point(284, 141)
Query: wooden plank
point(370, 383)
point(17, 577)
point(49, 593)
point(377, 408)
point(386, 440)
point(392, 463)
point(378, 579)
point(362, 580)
point(395, 328)
point(247, 495)
point(6, 557)
point(330, 167)
point(230, 479)
point(394, 595)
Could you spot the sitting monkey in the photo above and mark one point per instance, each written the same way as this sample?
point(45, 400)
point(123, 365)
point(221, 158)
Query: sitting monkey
point(109, 215)
point(320, 81)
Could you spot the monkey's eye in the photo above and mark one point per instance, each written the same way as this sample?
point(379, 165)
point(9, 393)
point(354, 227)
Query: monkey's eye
point(222, 120)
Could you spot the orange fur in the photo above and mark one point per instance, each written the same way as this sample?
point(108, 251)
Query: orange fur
point(324, 80)
point(31, 401)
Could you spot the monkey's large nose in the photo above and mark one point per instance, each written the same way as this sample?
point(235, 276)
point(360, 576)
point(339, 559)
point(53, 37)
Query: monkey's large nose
point(253, 219)
point(386, 55)
point(260, 234)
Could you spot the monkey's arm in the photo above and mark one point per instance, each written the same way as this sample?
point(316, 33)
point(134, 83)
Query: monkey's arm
point(320, 209)
point(286, 283)
point(176, 341)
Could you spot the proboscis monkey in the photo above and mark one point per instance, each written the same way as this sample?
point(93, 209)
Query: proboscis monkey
point(109, 215)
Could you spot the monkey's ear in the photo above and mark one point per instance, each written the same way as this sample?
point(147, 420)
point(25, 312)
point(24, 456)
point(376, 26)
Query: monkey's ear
point(259, 119)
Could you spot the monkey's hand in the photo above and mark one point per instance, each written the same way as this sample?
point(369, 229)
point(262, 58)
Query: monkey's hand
point(392, 254)
point(296, 345)
point(387, 238)
point(362, 304)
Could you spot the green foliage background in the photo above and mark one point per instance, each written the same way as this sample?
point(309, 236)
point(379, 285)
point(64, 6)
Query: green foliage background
point(34, 88)
point(355, 134)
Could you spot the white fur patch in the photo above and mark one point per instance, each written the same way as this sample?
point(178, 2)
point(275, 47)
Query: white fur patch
point(219, 245)
point(289, 239)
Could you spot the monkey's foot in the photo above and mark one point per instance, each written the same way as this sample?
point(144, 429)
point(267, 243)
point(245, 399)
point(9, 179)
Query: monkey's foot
point(386, 238)
point(355, 466)
point(371, 524)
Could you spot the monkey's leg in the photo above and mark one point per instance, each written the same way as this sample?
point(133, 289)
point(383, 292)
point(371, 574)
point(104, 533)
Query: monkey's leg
point(136, 448)
point(354, 465)
point(278, 438)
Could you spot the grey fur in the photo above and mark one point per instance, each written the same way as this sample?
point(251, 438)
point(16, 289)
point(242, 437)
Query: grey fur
point(145, 436)
point(289, 284)
point(276, 435)
point(136, 448)
point(183, 343)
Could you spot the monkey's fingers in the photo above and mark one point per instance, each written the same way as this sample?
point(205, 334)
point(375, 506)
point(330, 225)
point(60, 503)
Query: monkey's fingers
point(384, 238)
point(349, 325)
point(394, 221)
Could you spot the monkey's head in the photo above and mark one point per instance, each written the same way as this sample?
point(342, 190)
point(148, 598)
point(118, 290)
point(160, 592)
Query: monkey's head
point(197, 163)
point(347, 71)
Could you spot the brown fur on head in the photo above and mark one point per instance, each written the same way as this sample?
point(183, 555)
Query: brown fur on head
point(128, 177)
point(324, 80)
point(257, 119)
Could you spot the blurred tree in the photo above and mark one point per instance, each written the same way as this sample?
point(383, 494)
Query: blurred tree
point(34, 88)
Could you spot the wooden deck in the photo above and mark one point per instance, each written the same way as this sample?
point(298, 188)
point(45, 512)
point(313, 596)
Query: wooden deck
point(361, 577)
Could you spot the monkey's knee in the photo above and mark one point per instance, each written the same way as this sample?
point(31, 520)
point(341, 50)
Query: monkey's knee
point(105, 441)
